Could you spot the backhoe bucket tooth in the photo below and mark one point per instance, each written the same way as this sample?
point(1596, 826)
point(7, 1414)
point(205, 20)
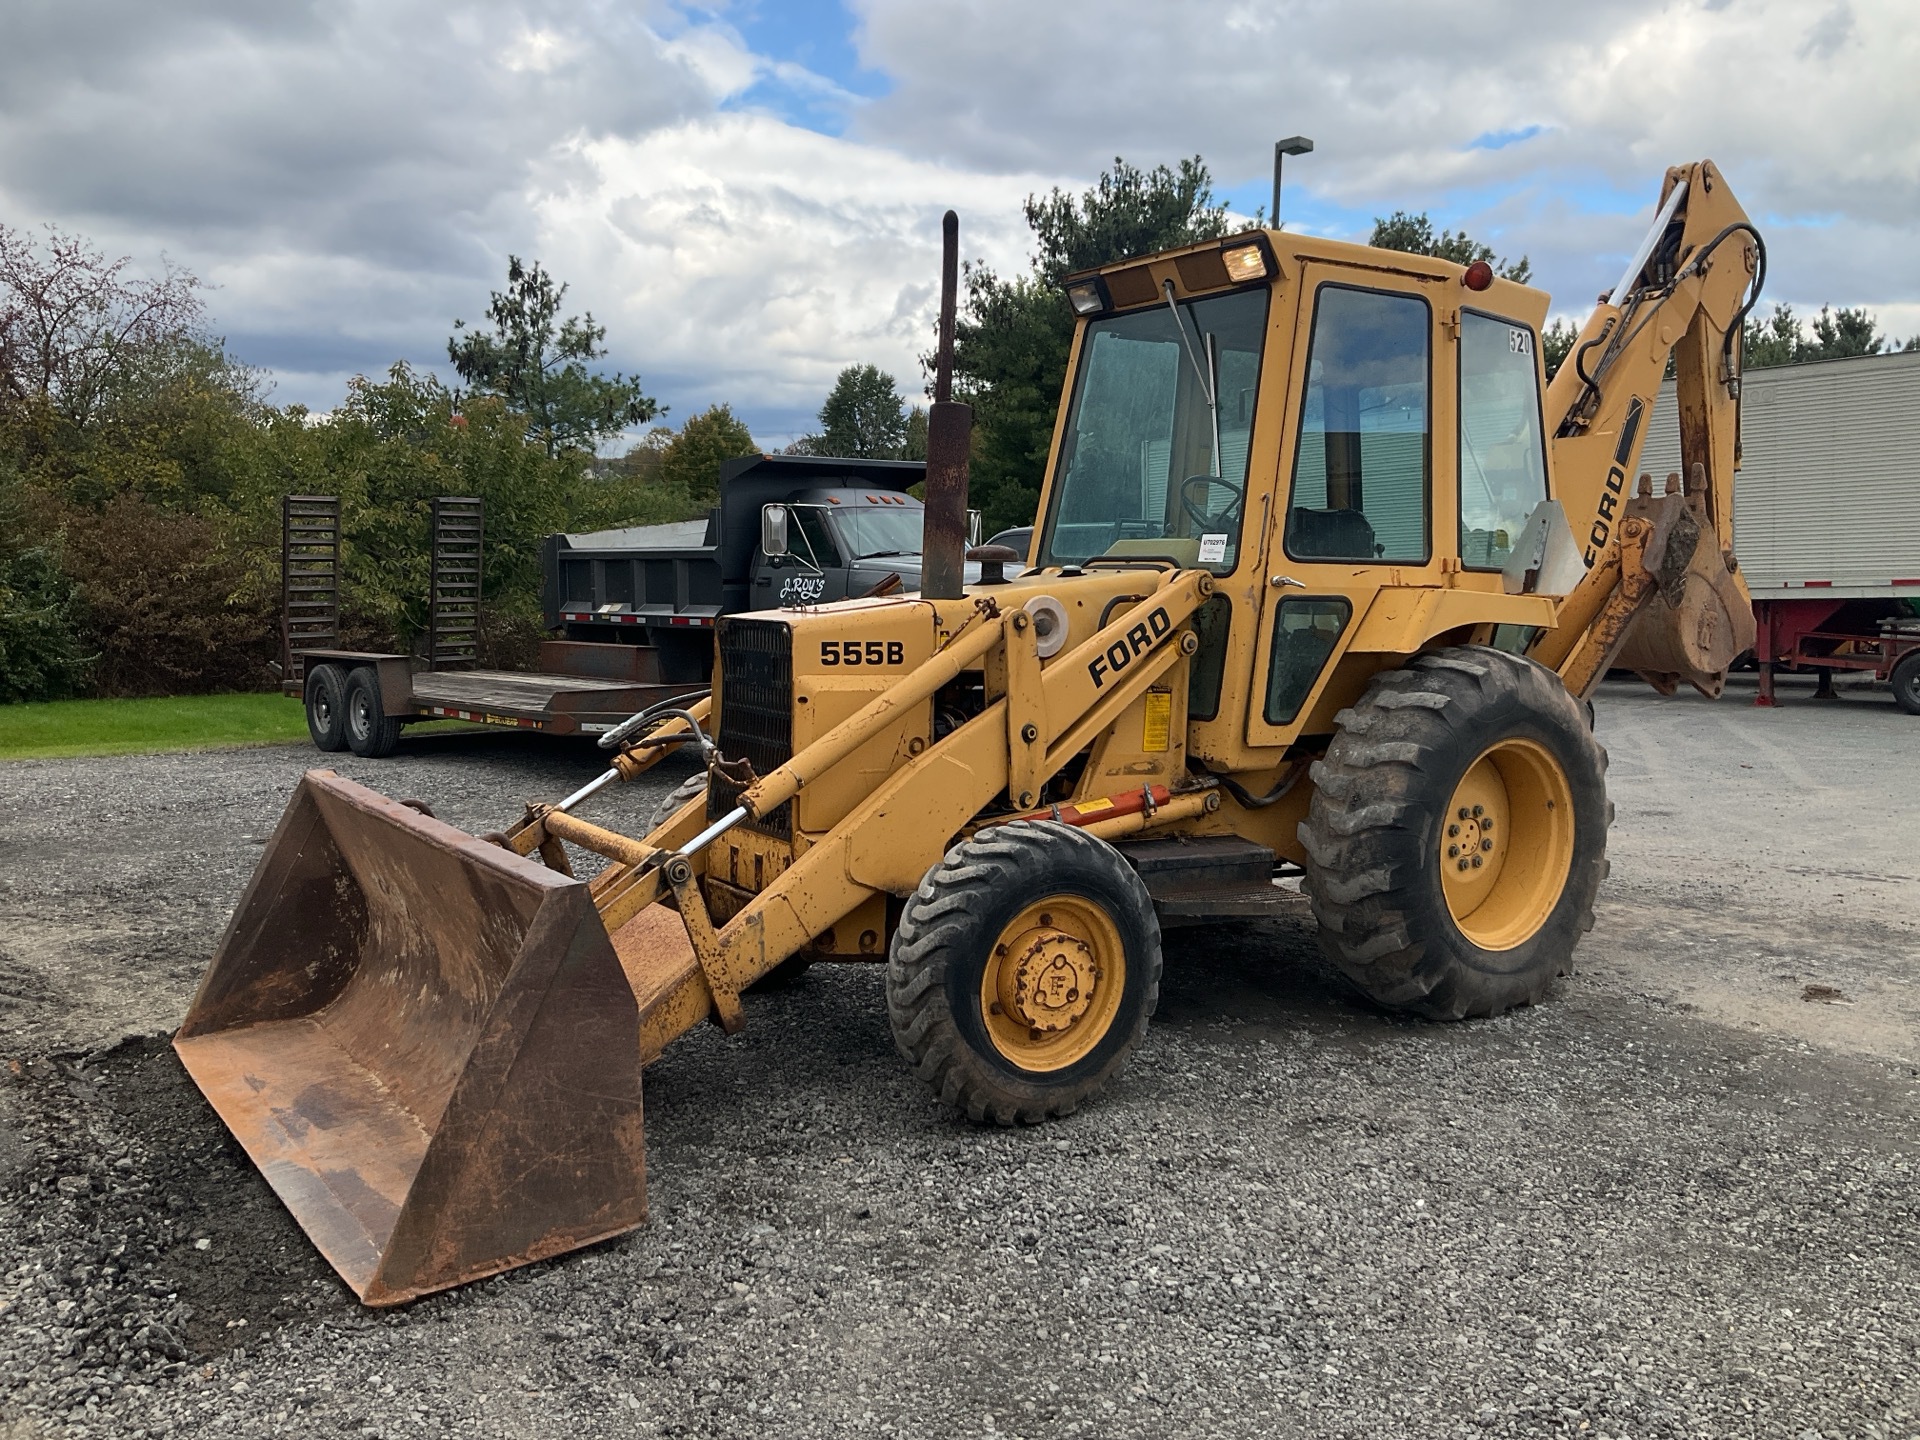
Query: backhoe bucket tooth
point(427, 1045)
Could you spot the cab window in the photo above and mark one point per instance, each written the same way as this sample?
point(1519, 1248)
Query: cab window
point(816, 537)
point(1364, 462)
point(1503, 461)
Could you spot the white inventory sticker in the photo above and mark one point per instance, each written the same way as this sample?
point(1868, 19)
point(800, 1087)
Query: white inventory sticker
point(1213, 549)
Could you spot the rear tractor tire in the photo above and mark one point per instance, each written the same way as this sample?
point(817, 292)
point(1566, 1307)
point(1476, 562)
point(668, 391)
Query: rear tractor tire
point(371, 732)
point(1024, 971)
point(326, 700)
point(1458, 834)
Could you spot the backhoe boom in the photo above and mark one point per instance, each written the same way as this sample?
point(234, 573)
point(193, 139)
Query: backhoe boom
point(1682, 299)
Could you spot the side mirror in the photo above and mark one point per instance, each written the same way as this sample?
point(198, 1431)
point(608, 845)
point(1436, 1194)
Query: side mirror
point(973, 527)
point(773, 531)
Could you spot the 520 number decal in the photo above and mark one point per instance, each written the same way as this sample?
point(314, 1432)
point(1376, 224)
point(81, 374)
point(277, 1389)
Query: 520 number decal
point(856, 652)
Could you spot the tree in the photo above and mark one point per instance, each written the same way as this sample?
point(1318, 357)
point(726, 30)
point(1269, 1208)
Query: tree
point(1775, 340)
point(537, 363)
point(1780, 339)
point(863, 418)
point(1012, 337)
point(691, 462)
point(72, 324)
point(41, 654)
point(1414, 235)
point(1556, 343)
point(1840, 333)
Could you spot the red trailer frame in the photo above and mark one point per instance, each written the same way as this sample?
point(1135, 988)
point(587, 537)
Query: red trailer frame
point(1827, 635)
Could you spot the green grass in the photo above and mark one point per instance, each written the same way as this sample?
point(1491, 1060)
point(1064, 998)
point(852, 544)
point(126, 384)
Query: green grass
point(58, 729)
point(127, 727)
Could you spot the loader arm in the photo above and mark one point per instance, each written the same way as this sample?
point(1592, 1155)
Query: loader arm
point(1662, 593)
point(889, 841)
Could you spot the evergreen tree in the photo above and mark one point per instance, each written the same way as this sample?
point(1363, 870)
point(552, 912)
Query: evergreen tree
point(1415, 235)
point(537, 362)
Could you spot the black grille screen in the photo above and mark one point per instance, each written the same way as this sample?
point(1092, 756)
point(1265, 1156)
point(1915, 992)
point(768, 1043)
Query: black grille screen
point(756, 712)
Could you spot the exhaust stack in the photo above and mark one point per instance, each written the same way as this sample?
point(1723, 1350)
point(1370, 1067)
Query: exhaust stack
point(949, 438)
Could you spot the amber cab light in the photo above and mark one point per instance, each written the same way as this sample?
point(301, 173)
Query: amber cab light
point(1245, 263)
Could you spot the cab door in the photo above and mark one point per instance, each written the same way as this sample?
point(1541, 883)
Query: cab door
point(1358, 481)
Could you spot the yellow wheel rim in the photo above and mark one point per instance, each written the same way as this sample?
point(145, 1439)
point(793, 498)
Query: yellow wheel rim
point(1052, 983)
point(1506, 844)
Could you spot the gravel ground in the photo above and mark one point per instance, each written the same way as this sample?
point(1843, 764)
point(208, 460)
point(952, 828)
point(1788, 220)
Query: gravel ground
point(1679, 1200)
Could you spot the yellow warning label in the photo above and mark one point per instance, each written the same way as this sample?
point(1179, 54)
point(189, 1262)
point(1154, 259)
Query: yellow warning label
point(1093, 807)
point(1159, 720)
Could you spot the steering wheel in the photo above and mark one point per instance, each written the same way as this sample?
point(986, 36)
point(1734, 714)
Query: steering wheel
point(1199, 516)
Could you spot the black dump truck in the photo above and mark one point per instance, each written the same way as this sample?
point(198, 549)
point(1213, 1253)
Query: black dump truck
point(850, 529)
point(631, 612)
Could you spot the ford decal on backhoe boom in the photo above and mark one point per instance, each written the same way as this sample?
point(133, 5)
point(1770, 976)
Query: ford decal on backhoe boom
point(1321, 578)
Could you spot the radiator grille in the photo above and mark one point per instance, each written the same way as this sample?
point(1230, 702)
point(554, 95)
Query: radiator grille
point(756, 712)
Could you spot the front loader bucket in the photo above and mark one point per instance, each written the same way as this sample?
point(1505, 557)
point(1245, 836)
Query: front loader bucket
point(426, 1044)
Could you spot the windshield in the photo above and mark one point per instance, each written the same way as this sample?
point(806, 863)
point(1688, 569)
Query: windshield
point(1141, 471)
point(865, 530)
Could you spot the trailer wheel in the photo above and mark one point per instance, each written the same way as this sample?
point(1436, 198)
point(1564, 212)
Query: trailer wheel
point(371, 732)
point(1023, 971)
point(1905, 681)
point(1457, 835)
point(326, 701)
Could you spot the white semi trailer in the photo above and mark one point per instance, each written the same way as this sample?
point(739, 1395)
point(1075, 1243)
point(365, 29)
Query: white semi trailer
point(1826, 516)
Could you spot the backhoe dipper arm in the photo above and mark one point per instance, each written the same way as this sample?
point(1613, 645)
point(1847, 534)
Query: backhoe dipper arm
point(1661, 594)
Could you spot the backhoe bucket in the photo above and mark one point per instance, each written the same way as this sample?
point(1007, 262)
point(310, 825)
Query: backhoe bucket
point(1700, 618)
point(426, 1044)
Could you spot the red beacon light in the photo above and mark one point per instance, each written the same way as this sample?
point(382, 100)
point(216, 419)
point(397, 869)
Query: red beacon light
point(1479, 275)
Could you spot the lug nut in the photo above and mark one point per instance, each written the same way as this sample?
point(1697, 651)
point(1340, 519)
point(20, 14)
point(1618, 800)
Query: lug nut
point(1486, 824)
point(1463, 864)
point(1486, 845)
point(1476, 862)
point(1464, 812)
point(1453, 830)
point(1478, 811)
point(1452, 850)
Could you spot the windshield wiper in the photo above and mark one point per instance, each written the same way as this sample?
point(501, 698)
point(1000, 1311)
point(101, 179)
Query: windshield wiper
point(1209, 384)
point(883, 554)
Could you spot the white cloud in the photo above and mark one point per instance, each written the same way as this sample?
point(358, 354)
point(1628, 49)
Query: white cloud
point(754, 260)
point(352, 176)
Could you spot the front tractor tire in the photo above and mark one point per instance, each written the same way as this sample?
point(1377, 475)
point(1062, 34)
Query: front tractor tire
point(1023, 972)
point(1458, 834)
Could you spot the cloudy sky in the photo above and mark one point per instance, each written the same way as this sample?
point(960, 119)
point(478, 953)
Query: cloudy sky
point(748, 194)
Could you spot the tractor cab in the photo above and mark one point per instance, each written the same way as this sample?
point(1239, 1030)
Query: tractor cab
point(1322, 432)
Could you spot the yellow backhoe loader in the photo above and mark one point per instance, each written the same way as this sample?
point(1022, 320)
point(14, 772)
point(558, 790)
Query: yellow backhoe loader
point(1322, 576)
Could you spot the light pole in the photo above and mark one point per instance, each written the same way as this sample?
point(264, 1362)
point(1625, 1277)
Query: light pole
point(1292, 145)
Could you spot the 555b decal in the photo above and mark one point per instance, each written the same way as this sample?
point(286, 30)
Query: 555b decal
point(863, 652)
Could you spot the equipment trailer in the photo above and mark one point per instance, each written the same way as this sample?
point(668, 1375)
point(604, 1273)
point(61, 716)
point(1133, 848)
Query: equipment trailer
point(360, 700)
